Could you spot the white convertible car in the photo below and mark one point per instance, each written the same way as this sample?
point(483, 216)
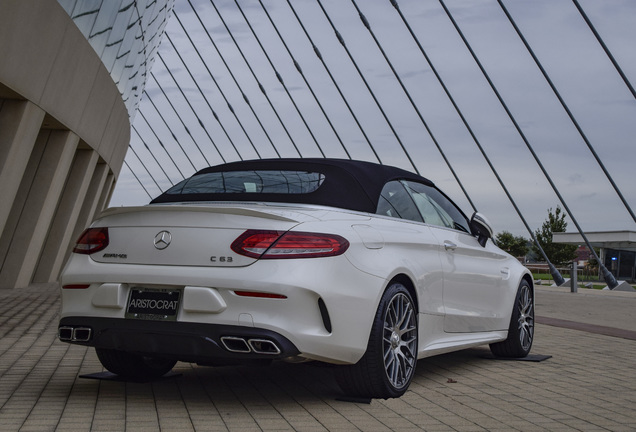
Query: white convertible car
point(363, 266)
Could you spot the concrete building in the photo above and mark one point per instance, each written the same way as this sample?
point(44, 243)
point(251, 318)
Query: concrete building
point(71, 76)
point(617, 250)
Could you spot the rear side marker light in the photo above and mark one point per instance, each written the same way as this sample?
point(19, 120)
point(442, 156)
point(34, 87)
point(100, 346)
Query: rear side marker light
point(263, 244)
point(259, 294)
point(92, 240)
point(77, 286)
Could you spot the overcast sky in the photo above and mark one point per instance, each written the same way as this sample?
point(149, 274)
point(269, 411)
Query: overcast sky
point(566, 48)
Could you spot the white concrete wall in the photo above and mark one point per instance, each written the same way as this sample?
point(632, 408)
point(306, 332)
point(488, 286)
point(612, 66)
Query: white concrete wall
point(64, 132)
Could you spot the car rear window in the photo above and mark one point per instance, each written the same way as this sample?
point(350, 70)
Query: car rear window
point(256, 181)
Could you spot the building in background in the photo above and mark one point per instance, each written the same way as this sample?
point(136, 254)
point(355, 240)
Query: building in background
point(617, 250)
point(71, 75)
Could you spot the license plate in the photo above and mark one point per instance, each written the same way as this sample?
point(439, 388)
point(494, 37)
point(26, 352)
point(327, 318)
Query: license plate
point(153, 304)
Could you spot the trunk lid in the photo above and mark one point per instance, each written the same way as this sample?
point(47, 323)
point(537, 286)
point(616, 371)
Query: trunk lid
point(186, 235)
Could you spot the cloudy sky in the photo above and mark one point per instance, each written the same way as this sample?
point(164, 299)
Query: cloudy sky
point(566, 48)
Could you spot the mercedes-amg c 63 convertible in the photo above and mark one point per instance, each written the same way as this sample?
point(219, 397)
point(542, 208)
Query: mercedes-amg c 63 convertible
point(363, 266)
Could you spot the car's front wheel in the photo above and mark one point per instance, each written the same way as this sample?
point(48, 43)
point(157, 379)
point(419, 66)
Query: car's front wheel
point(134, 366)
point(387, 367)
point(521, 330)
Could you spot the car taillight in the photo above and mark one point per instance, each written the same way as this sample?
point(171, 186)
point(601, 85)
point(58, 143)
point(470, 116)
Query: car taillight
point(92, 240)
point(254, 243)
point(278, 245)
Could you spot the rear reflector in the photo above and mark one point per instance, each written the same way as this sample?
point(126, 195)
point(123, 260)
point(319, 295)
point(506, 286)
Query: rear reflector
point(78, 286)
point(279, 245)
point(92, 240)
point(259, 294)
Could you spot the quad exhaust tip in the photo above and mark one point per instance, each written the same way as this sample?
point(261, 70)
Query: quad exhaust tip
point(263, 346)
point(75, 334)
point(258, 346)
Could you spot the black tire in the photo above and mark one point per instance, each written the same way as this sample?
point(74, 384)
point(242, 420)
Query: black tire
point(388, 366)
point(521, 330)
point(134, 366)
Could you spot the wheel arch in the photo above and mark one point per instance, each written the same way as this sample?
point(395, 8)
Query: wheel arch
point(372, 376)
point(408, 284)
point(527, 277)
point(520, 333)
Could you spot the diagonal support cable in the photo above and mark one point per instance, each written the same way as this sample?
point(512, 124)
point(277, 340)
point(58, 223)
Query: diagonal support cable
point(159, 140)
point(247, 101)
point(207, 102)
point(229, 106)
point(145, 168)
point(605, 48)
point(193, 112)
point(143, 141)
point(166, 123)
point(366, 23)
point(558, 278)
point(567, 110)
point(138, 181)
point(608, 276)
point(300, 71)
point(280, 79)
point(335, 83)
point(260, 86)
point(375, 99)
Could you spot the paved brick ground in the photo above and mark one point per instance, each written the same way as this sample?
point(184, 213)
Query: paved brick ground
point(589, 384)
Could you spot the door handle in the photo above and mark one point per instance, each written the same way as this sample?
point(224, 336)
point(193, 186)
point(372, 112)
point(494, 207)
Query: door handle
point(449, 245)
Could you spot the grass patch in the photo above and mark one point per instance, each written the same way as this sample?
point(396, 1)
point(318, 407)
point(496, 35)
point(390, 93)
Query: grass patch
point(542, 276)
point(581, 283)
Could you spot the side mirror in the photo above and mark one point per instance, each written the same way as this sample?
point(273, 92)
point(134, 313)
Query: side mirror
point(480, 228)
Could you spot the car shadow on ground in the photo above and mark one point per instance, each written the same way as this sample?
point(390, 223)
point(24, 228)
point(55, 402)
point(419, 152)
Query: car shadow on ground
point(283, 383)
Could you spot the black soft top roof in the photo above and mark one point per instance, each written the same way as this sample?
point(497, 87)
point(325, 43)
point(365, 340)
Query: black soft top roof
point(348, 184)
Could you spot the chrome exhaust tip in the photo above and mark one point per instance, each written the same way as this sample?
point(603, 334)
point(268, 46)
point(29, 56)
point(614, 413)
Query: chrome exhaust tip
point(235, 344)
point(74, 334)
point(244, 346)
point(264, 346)
point(82, 334)
point(65, 333)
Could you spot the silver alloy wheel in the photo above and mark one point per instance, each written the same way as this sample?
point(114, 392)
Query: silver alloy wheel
point(526, 317)
point(399, 340)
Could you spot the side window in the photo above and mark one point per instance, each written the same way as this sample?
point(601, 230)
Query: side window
point(435, 208)
point(396, 202)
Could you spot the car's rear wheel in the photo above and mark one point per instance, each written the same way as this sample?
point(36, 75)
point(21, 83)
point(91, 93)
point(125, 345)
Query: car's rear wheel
point(134, 366)
point(521, 330)
point(387, 367)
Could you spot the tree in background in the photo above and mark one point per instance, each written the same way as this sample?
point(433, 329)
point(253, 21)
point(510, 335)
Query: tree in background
point(558, 254)
point(516, 246)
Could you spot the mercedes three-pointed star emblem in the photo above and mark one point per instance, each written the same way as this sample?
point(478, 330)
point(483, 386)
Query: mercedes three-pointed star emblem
point(163, 239)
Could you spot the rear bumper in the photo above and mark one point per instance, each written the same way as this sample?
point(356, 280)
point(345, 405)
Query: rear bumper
point(184, 341)
point(349, 297)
